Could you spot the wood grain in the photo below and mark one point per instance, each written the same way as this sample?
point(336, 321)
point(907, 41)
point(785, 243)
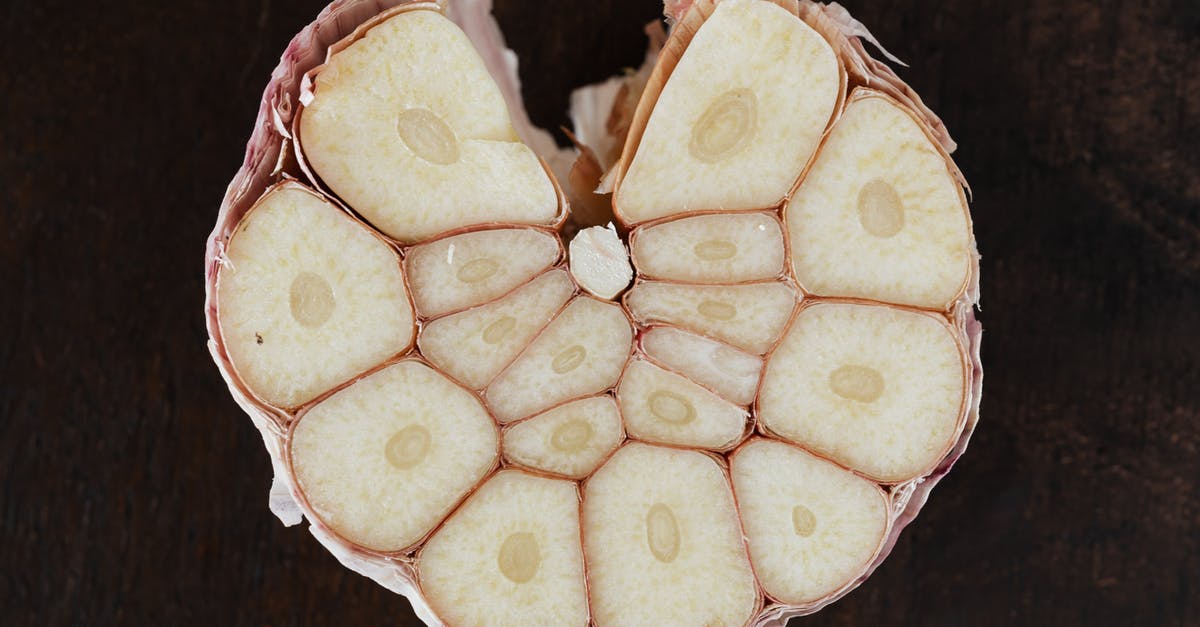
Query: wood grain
point(134, 490)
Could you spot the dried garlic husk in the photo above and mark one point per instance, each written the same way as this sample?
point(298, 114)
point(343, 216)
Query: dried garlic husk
point(720, 404)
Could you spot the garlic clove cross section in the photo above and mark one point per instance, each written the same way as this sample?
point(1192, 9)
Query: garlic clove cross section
point(877, 389)
point(424, 145)
point(880, 194)
point(811, 526)
point(299, 276)
point(385, 459)
point(738, 119)
point(570, 440)
point(510, 555)
point(663, 541)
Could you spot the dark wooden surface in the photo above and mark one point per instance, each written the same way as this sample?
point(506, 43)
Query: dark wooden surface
point(133, 490)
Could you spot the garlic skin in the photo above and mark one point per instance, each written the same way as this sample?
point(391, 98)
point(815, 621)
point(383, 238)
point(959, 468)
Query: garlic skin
point(272, 156)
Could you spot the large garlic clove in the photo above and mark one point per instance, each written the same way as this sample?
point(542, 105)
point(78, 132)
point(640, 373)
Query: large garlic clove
point(663, 542)
point(570, 440)
point(880, 216)
point(406, 126)
point(473, 346)
point(748, 316)
point(877, 389)
point(738, 119)
point(580, 353)
point(461, 271)
point(663, 407)
point(384, 460)
point(812, 527)
point(510, 556)
point(300, 276)
point(718, 248)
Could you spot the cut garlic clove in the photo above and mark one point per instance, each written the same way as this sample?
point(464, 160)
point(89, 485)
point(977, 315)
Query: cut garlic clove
point(423, 145)
point(510, 556)
point(738, 119)
point(663, 407)
point(718, 248)
point(880, 195)
point(384, 460)
point(461, 271)
point(570, 440)
point(748, 316)
point(580, 353)
point(875, 388)
point(663, 542)
point(473, 346)
point(811, 526)
point(298, 277)
point(728, 371)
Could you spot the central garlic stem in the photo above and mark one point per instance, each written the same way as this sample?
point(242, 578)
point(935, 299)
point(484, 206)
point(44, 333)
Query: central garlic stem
point(571, 436)
point(880, 210)
point(311, 300)
point(427, 136)
point(725, 127)
point(804, 522)
point(662, 533)
point(408, 447)
point(671, 407)
point(519, 557)
point(857, 383)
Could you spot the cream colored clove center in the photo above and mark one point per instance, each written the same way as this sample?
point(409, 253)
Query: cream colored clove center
point(880, 210)
point(671, 407)
point(725, 127)
point(568, 359)
point(311, 300)
point(519, 557)
point(408, 447)
point(857, 383)
point(427, 136)
point(715, 249)
point(477, 270)
point(662, 533)
point(571, 436)
point(717, 310)
point(804, 522)
point(495, 332)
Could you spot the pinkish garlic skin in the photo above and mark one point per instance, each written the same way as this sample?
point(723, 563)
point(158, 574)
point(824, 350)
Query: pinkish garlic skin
point(270, 158)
